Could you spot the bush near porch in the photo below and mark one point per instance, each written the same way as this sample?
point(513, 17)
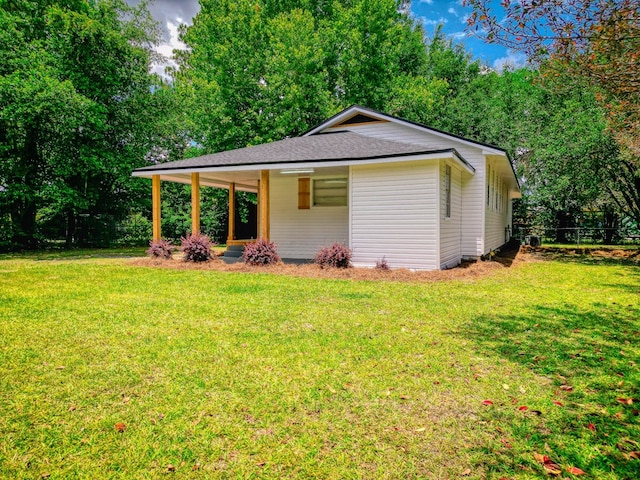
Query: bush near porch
point(115, 370)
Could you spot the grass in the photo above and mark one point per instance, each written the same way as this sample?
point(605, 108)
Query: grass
point(244, 375)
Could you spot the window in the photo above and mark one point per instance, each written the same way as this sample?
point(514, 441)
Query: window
point(447, 191)
point(330, 192)
point(488, 185)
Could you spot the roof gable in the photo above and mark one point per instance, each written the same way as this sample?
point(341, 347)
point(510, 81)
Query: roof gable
point(340, 122)
point(343, 118)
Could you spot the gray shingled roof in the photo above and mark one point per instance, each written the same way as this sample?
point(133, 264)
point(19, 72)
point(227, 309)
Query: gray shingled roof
point(314, 148)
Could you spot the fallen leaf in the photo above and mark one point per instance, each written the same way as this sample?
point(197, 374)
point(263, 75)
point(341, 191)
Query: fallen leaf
point(536, 412)
point(618, 415)
point(421, 429)
point(126, 399)
point(466, 472)
point(506, 443)
point(566, 388)
point(404, 397)
point(505, 386)
point(552, 468)
point(625, 401)
point(331, 389)
point(195, 467)
point(72, 408)
point(171, 468)
point(635, 455)
point(523, 408)
point(120, 427)
point(558, 403)
point(487, 402)
point(591, 426)
point(540, 458)
point(60, 367)
point(522, 389)
point(575, 471)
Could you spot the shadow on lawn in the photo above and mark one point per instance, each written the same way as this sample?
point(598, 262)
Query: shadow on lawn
point(590, 360)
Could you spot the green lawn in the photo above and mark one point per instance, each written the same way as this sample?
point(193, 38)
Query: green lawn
point(238, 375)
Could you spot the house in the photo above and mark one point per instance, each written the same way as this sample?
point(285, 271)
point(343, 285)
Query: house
point(384, 186)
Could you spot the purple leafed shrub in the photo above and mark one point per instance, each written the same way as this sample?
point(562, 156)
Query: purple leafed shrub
point(261, 252)
point(382, 264)
point(160, 249)
point(337, 256)
point(197, 248)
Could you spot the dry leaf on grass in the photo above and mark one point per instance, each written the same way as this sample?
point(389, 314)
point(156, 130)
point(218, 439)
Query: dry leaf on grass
point(575, 471)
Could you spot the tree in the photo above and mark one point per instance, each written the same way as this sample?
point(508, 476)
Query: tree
point(594, 45)
point(260, 71)
point(75, 113)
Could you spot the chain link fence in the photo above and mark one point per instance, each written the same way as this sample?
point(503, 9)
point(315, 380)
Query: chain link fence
point(537, 235)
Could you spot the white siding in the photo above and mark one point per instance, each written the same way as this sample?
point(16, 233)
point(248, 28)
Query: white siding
point(301, 233)
point(394, 214)
point(473, 196)
point(450, 228)
point(498, 217)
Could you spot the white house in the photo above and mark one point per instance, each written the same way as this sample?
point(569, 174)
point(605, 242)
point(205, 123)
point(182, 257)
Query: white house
point(384, 186)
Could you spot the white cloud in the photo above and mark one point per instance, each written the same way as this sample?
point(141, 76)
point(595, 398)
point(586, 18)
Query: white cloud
point(452, 11)
point(512, 60)
point(166, 49)
point(428, 2)
point(458, 35)
point(432, 23)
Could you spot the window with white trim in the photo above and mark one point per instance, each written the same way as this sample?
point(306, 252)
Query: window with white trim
point(447, 191)
point(488, 185)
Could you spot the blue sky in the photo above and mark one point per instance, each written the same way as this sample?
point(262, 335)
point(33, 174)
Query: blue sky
point(453, 17)
point(450, 13)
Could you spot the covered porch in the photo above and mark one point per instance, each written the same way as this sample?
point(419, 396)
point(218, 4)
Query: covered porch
point(256, 181)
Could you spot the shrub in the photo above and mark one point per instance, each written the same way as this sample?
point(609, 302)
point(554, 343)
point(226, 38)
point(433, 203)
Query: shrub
point(382, 264)
point(196, 248)
point(260, 252)
point(160, 249)
point(337, 256)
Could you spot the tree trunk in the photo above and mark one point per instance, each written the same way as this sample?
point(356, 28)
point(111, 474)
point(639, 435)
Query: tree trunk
point(71, 229)
point(23, 222)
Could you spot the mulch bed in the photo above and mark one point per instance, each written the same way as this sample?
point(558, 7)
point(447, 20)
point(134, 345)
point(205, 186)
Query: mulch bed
point(466, 271)
point(631, 254)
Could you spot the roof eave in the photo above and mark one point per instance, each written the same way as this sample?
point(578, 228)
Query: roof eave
point(426, 155)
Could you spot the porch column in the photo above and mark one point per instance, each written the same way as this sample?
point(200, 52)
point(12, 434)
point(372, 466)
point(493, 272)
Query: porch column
point(232, 212)
point(195, 203)
point(155, 202)
point(264, 204)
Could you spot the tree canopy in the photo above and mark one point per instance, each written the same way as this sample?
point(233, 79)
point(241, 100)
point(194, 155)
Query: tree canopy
point(261, 71)
point(77, 113)
point(589, 45)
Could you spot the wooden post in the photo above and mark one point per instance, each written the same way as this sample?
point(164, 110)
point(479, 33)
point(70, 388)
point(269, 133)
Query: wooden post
point(155, 201)
point(264, 204)
point(195, 203)
point(232, 212)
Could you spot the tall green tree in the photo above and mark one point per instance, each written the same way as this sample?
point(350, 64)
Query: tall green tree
point(75, 112)
point(590, 45)
point(260, 71)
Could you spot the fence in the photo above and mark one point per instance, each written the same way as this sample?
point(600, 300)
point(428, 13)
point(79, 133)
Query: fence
point(535, 235)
